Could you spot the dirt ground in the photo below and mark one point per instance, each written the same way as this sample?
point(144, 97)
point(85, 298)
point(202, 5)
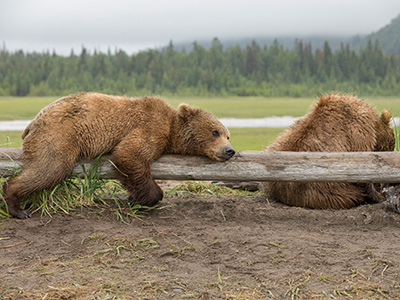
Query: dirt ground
point(204, 247)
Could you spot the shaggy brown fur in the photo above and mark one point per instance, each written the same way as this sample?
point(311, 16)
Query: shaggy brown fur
point(135, 132)
point(336, 123)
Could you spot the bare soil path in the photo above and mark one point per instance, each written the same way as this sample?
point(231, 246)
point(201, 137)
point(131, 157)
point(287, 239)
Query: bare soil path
point(204, 247)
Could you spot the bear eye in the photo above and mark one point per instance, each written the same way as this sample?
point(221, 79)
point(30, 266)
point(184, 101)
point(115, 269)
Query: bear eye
point(215, 133)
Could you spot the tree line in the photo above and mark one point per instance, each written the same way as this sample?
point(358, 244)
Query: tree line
point(251, 71)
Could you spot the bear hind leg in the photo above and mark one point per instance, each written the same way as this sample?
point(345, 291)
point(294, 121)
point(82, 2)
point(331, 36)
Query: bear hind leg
point(32, 180)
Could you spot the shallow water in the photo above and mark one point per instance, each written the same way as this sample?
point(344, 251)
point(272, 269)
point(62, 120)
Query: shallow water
point(15, 125)
point(269, 122)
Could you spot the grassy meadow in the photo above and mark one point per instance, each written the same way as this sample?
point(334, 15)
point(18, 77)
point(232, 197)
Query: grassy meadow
point(25, 108)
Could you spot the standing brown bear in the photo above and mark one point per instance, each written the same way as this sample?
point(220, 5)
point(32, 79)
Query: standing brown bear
point(135, 131)
point(336, 123)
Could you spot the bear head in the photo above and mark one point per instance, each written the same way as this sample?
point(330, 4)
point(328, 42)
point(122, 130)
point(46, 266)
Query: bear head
point(204, 134)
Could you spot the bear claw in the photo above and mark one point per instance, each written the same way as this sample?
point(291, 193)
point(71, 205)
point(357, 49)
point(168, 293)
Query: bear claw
point(22, 214)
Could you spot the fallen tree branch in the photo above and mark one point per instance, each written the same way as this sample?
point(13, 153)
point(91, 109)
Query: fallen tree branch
point(378, 167)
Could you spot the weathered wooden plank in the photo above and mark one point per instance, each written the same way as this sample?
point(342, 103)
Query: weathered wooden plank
point(261, 166)
point(10, 154)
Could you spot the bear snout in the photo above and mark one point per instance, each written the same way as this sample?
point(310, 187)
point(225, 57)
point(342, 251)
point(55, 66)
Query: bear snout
point(229, 152)
point(224, 153)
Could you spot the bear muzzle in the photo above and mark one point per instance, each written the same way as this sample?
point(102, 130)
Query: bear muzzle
point(229, 151)
point(226, 153)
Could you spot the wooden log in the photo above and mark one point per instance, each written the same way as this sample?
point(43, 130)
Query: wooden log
point(378, 167)
point(7, 154)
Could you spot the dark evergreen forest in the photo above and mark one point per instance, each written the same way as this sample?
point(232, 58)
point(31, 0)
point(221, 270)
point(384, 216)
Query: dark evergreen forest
point(241, 71)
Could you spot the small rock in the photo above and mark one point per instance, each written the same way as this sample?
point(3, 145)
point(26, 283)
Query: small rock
point(178, 291)
point(392, 194)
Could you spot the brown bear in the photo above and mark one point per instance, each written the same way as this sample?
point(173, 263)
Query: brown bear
point(135, 131)
point(336, 123)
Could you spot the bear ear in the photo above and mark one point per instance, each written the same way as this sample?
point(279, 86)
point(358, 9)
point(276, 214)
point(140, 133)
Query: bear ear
point(386, 116)
point(185, 111)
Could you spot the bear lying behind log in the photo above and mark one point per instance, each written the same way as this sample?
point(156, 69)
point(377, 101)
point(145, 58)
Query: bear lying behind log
point(135, 131)
point(336, 123)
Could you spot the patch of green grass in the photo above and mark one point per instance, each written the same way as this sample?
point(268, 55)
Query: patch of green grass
point(77, 192)
point(259, 107)
point(396, 130)
point(253, 138)
point(250, 107)
point(390, 103)
point(10, 139)
point(26, 108)
point(73, 192)
point(22, 108)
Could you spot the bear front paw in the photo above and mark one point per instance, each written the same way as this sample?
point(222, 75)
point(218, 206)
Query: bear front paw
point(147, 198)
point(21, 214)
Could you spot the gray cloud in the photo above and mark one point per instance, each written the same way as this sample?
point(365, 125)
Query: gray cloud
point(62, 24)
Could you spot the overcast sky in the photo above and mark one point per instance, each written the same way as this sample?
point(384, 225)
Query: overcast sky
point(40, 25)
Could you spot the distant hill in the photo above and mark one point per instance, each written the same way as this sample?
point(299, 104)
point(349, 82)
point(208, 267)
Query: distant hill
point(288, 42)
point(388, 38)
